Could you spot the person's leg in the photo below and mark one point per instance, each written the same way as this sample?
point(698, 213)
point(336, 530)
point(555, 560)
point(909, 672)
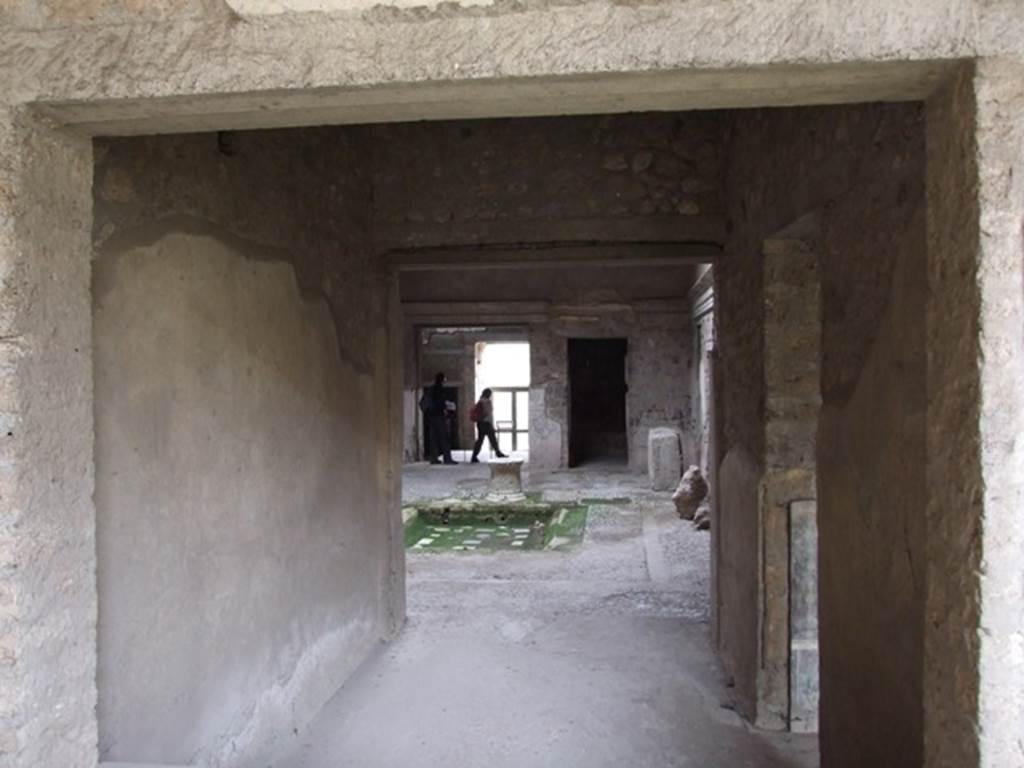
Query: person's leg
point(480, 434)
point(446, 443)
point(492, 437)
point(435, 444)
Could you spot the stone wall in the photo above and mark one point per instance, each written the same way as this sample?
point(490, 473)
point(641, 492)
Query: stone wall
point(248, 555)
point(578, 285)
point(659, 363)
point(585, 180)
point(565, 178)
point(48, 544)
point(861, 170)
point(661, 368)
point(973, 697)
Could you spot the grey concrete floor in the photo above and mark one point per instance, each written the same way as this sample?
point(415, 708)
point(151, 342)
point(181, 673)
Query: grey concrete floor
point(584, 659)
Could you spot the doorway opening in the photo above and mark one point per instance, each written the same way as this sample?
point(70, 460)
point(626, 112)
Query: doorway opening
point(504, 368)
point(597, 401)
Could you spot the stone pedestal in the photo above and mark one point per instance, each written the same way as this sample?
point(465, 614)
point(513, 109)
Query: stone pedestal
point(506, 480)
point(664, 458)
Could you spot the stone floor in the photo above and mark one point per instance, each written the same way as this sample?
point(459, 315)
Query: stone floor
point(589, 658)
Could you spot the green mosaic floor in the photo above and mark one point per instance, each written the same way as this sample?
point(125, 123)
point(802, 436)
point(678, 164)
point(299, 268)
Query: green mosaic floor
point(469, 527)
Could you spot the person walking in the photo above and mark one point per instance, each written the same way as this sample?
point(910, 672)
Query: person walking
point(435, 410)
point(483, 412)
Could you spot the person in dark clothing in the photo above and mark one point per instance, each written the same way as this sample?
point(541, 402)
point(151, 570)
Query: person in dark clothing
point(436, 413)
point(485, 426)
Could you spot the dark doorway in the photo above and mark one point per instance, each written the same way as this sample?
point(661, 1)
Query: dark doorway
point(597, 400)
point(451, 396)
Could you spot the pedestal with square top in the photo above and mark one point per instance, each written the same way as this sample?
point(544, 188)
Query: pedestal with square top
point(506, 480)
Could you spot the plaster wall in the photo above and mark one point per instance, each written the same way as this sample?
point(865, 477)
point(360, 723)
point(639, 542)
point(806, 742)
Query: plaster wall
point(248, 558)
point(861, 169)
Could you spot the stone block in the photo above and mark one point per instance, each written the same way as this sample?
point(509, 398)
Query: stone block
point(506, 484)
point(664, 458)
point(691, 492)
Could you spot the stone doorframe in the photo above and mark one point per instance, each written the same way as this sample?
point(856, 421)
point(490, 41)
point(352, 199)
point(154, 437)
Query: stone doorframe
point(70, 85)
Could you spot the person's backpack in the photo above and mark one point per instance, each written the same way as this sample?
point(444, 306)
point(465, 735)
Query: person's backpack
point(427, 402)
point(476, 412)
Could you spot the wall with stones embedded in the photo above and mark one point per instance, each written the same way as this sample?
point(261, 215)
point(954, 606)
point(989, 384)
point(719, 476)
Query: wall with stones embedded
point(565, 178)
point(575, 285)
point(861, 170)
point(650, 177)
point(246, 390)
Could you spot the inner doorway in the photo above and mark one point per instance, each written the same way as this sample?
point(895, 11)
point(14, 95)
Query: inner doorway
point(597, 401)
point(504, 368)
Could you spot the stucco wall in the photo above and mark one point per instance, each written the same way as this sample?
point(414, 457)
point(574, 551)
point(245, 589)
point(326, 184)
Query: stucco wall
point(248, 558)
point(861, 168)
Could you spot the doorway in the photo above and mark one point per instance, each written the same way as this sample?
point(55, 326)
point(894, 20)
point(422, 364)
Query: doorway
point(504, 368)
point(597, 401)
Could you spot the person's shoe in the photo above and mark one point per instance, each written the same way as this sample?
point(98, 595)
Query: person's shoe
point(474, 460)
point(435, 461)
point(451, 462)
point(501, 455)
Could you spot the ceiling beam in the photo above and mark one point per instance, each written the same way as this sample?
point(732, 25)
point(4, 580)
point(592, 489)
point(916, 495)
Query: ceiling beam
point(655, 228)
point(553, 255)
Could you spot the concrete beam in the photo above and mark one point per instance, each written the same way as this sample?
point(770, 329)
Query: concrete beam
point(219, 70)
point(534, 97)
point(494, 314)
point(553, 255)
point(704, 231)
point(488, 314)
